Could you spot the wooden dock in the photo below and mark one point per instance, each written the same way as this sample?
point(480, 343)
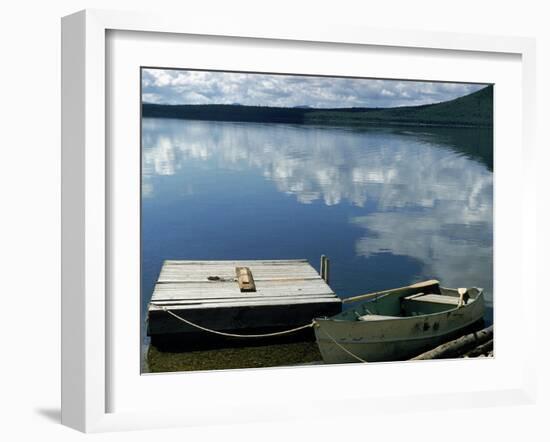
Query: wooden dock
point(237, 296)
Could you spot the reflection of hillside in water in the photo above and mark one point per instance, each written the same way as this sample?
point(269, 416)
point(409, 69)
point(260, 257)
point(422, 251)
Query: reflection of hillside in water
point(475, 143)
point(421, 193)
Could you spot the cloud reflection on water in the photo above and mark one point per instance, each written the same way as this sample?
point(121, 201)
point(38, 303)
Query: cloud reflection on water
point(419, 196)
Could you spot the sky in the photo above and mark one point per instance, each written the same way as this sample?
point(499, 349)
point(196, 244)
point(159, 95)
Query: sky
point(170, 86)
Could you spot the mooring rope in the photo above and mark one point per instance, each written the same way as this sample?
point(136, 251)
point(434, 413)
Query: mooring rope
point(342, 347)
point(235, 335)
point(262, 335)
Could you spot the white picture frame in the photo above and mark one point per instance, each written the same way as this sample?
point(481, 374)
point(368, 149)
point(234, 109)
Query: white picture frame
point(87, 203)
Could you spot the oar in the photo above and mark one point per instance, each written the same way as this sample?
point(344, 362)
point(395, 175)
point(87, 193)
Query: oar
point(408, 290)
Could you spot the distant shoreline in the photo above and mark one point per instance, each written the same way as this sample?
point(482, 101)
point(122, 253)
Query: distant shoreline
point(365, 123)
point(474, 110)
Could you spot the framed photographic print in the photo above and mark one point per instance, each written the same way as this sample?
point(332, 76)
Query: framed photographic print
point(253, 209)
point(249, 178)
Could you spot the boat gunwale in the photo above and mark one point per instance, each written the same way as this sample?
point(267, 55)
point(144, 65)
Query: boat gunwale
point(416, 317)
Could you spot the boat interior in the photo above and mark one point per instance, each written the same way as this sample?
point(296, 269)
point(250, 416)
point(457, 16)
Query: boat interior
point(398, 304)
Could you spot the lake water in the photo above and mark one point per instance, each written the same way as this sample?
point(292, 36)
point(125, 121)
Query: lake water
point(388, 205)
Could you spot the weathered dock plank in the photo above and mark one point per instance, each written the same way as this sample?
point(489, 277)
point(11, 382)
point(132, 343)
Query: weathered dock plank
point(231, 289)
point(288, 293)
point(183, 305)
point(174, 273)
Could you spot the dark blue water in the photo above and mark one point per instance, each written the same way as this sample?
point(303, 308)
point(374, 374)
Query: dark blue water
point(388, 206)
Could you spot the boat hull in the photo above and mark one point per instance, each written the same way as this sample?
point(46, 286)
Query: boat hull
point(393, 339)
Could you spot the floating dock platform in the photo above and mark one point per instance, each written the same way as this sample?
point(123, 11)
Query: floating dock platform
point(237, 296)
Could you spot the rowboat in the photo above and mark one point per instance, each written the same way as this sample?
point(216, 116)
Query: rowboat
point(397, 324)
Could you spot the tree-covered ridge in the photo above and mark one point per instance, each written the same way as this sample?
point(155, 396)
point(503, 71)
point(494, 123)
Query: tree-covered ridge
point(473, 110)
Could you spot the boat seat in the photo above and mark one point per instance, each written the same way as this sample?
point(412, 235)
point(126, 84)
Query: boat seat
point(374, 317)
point(437, 299)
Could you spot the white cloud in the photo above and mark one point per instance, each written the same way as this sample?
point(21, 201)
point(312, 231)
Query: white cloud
point(203, 87)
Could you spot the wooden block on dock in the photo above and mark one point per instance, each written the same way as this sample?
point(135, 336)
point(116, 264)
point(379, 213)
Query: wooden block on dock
point(287, 293)
point(245, 279)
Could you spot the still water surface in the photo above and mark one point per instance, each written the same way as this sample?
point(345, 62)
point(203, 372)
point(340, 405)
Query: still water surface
point(388, 206)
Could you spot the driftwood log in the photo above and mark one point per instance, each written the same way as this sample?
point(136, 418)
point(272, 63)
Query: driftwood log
point(460, 346)
point(485, 349)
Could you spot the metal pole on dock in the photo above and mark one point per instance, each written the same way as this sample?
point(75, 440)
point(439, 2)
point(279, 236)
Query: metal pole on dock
point(327, 269)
